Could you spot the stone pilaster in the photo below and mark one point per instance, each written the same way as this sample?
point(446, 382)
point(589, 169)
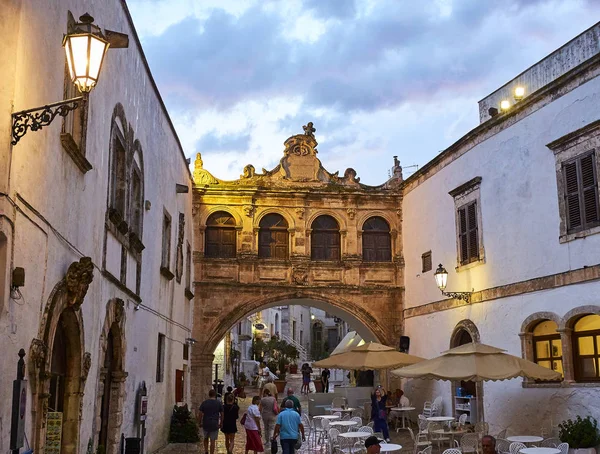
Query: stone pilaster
point(201, 365)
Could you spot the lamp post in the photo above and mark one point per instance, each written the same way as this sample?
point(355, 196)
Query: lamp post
point(85, 47)
point(441, 279)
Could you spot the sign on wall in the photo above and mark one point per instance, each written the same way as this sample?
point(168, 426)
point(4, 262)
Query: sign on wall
point(53, 432)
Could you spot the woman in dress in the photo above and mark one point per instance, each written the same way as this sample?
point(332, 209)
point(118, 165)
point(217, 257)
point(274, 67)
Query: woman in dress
point(252, 426)
point(230, 416)
point(379, 412)
point(268, 412)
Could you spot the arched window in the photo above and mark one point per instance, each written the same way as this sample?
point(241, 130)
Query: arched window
point(325, 239)
point(273, 237)
point(220, 235)
point(586, 348)
point(547, 346)
point(377, 243)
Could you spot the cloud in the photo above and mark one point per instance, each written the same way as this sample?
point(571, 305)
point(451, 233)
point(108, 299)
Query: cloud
point(212, 142)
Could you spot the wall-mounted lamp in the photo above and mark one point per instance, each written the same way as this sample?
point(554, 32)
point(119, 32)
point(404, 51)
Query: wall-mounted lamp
point(85, 47)
point(519, 93)
point(312, 316)
point(493, 111)
point(504, 105)
point(441, 278)
point(190, 340)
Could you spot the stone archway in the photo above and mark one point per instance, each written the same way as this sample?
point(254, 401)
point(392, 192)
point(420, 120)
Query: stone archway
point(464, 332)
point(61, 323)
point(221, 310)
point(110, 395)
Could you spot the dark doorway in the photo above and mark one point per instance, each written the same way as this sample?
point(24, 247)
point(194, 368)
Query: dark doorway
point(108, 372)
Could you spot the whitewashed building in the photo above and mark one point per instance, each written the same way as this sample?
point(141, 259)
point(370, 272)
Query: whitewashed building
point(95, 213)
point(511, 211)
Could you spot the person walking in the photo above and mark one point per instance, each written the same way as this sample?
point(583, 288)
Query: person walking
point(379, 412)
point(306, 371)
point(294, 399)
point(268, 412)
point(210, 417)
point(288, 428)
point(231, 413)
point(325, 374)
point(252, 426)
point(272, 387)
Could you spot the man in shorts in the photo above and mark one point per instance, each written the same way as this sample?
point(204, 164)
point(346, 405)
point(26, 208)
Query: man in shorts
point(210, 417)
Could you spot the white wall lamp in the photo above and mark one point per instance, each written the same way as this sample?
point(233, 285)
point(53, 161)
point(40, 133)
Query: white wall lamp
point(85, 47)
point(519, 93)
point(441, 278)
point(190, 340)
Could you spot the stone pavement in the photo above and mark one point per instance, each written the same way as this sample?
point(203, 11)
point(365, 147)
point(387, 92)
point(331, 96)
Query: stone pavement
point(402, 437)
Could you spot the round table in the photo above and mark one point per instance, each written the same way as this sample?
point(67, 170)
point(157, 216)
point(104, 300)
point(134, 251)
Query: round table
point(389, 447)
point(342, 410)
point(525, 439)
point(344, 424)
point(326, 417)
point(540, 451)
point(355, 435)
point(402, 409)
point(440, 418)
point(452, 433)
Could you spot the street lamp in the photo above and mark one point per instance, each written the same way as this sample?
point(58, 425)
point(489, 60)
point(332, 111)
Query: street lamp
point(441, 279)
point(85, 47)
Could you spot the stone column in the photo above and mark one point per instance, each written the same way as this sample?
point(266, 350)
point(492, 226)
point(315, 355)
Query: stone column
point(567, 354)
point(527, 350)
point(201, 377)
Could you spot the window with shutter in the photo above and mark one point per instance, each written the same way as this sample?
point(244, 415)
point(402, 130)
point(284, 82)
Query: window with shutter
point(325, 239)
point(220, 236)
point(377, 244)
point(273, 237)
point(581, 193)
point(426, 262)
point(468, 233)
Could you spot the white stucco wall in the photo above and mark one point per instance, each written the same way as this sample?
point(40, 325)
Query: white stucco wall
point(74, 207)
point(520, 223)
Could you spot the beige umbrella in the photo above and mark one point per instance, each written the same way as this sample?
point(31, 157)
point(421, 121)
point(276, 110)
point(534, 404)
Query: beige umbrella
point(369, 356)
point(476, 362)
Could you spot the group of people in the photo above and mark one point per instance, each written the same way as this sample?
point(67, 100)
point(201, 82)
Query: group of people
point(264, 413)
point(306, 371)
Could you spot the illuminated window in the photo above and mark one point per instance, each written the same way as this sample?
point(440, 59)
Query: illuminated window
point(376, 240)
point(547, 346)
point(273, 237)
point(586, 348)
point(220, 236)
point(325, 239)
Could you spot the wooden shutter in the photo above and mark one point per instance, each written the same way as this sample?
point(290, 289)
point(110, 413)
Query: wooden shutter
point(264, 243)
point(468, 233)
point(212, 242)
point(333, 246)
point(383, 245)
point(369, 254)
point(589, 183)
point(279, 247)
point(227, 243)
point(462, 235)
point(318, 246)
point(572, 196)
point(473, 232)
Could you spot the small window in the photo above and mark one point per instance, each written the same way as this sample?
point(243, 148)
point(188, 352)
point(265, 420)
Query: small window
point(186, 352)
point(273, 237)
point(426, 264)
point(179, 385)
point(166, 241)
point(119, 175)
point(586, 348)
point(220, 236)
point(581, 193)
point(136, 201)
point(325, 239)
point(377, 243)
point(547, 346)
point(160, 358)
point(468, 235)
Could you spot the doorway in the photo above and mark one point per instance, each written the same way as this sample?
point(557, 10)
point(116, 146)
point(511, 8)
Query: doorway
point(108, 370)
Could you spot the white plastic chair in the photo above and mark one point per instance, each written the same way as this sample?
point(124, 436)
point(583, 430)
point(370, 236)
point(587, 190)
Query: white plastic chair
point(427, 450)
point(337, 402)
point(502, 446)
point(371, 424)
point(482, 427)
point(564, 448)
point(501, 434)
point(366, 429)
point(427, 409)
point(516, 447)
point(462, 419)
point(420, 441)
point(438, 438)
point(359, 448)
point(550, 443)
point(423, 424)
point(469, 443)
point(452, 451)
point(436, 406)
point(337, 413)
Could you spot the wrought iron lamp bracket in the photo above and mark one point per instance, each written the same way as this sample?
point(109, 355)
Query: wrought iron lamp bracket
point(38, 117)
point(465, 296)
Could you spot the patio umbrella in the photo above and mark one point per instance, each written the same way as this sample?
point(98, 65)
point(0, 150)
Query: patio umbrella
point(368, 356)
point(476, 362)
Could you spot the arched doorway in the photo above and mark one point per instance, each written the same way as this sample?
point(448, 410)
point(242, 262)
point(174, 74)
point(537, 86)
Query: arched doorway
point(466, 332)
point(58, 367)
point(111, 378)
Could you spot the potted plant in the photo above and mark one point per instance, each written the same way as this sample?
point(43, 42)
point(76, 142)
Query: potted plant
point(581, 434)
point(282, 354)
point(293, 368)
point(184, 428)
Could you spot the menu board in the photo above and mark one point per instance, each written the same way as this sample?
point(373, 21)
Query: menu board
point(53, 432)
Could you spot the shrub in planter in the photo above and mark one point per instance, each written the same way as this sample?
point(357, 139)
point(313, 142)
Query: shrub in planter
point(580, 433)
point(184, 428)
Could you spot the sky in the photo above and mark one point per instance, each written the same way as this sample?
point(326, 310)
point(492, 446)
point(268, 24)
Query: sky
point(378, 78)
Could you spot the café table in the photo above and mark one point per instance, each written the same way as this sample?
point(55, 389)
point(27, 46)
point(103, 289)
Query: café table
point(403, 414)
point(354, 436)
point(440, 418)
point(391, 447)
point(343, 424)
point(540, 451)
point(342, 410)
point(452, 433)
point(332, 417)
point(524, 439)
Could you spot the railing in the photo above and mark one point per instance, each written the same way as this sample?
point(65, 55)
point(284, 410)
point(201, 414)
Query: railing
point(303, 354)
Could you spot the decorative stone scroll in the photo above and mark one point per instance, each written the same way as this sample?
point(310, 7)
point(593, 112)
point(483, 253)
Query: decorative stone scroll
point(78, 279)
